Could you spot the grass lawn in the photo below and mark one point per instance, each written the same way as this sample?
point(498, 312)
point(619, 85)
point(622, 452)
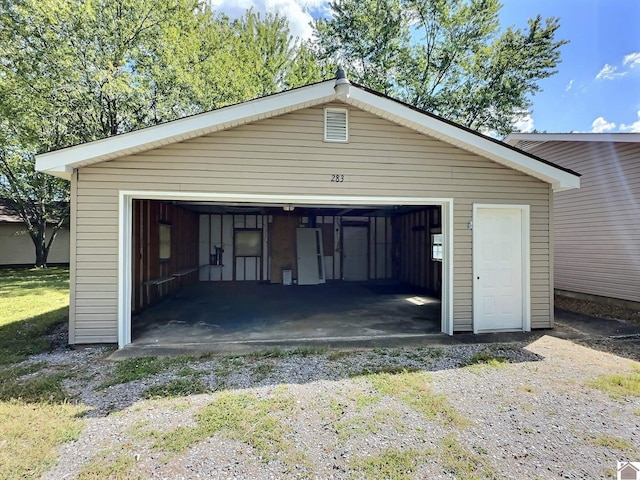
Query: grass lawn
point(32, 303)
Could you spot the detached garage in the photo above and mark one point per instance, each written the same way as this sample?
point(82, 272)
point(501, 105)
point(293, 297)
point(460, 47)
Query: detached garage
point(327, 186)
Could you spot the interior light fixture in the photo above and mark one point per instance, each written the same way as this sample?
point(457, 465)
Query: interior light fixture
point(288, 208)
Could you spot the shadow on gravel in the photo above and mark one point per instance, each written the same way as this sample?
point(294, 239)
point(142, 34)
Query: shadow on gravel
point(137, 378)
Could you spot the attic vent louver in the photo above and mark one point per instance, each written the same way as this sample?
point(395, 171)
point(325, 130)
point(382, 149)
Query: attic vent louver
point(336, 128)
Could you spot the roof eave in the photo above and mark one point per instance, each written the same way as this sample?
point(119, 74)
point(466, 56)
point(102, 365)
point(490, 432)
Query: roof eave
point(472, 142)
point(62, 162)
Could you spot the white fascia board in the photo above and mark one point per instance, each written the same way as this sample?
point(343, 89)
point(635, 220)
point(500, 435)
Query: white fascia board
point(461, 138)
point(514, 138)
point(179, 130)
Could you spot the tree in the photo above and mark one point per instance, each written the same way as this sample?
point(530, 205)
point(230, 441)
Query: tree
point(444, 56)
point(80, 70)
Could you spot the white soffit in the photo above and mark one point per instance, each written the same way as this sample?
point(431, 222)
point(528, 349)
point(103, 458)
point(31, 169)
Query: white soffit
point(62, 162)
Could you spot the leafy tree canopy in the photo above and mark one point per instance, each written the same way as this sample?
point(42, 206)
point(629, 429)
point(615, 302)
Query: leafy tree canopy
point(73, 71)
point(449, 57)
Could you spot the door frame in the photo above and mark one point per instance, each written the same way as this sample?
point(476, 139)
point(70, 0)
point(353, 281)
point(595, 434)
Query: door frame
point(525, 257)
point(125, 229)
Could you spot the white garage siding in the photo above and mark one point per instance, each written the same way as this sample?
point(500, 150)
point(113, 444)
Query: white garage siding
point(287, 155)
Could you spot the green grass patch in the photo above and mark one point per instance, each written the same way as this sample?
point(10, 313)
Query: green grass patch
point(138, 368)
point(338, 355)
point(262, 370)
point(413, 389)
point(305, 351)
point(30, 384)
point(112, 465)
point(482, 360)
point(259, 422)
point(33, 302)
point(31, 435)
point(618, 386)
point(391, 464)
point(461, 462)
point(367, 425)
point(179, 387)
point(611, 442)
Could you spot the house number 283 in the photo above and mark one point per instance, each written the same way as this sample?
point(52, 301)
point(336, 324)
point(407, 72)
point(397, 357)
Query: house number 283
point(337, 177)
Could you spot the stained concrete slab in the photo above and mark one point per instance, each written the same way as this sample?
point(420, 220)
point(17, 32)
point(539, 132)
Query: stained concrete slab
point(241, 318)
point(240, 312)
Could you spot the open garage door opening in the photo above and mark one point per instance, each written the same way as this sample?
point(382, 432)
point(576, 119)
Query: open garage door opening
point(216, 272)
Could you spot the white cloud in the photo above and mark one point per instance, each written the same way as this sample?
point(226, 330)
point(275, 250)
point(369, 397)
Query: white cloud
point(524, 124)
point(609, 72)
point(600, 125)
point(569, 85)
point(633, 59)
point(298, 12)
point(633, 128)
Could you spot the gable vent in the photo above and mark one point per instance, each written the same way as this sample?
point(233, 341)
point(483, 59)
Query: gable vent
point(336, 127)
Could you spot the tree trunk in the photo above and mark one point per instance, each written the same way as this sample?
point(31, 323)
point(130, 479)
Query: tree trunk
point(42, 249)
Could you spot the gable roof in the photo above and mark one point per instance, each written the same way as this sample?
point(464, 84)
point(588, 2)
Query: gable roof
point(530, 140)
point(62, 162)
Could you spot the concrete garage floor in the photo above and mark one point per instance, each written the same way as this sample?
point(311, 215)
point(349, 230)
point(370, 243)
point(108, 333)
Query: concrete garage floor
point(227, 316)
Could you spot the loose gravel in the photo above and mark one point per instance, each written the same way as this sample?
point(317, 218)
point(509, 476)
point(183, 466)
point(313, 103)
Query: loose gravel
point(529, 415)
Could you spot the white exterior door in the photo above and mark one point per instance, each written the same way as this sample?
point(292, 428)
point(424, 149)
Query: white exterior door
point(310, 256)
point(500, 268)
point(355, 253)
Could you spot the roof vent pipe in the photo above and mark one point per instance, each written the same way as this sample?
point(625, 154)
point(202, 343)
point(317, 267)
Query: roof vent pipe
point(342, 85)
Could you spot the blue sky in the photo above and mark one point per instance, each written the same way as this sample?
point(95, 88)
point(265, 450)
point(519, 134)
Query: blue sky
point(597, 87)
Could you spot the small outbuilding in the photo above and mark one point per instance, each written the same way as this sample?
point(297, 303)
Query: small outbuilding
point(597, 233)
point(327, 183)
point(16, 246)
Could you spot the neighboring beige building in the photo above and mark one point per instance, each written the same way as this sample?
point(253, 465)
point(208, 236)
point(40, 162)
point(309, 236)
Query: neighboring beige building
point(16, 246)
point(238, 193)
point(597, 228)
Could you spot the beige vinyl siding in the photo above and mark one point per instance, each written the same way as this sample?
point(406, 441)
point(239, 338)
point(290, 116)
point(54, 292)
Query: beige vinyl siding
point(597, 233)
point(16, 246)
point(287, 155)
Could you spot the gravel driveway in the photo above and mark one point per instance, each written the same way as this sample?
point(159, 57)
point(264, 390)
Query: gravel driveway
point(516, 410)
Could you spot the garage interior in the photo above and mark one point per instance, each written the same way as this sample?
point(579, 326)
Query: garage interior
point(206, 272)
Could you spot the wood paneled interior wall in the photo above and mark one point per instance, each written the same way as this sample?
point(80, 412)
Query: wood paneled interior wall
point(412, 248)
point(217, 230)
point(282, 235)
point(147, 266)
point(279, 246)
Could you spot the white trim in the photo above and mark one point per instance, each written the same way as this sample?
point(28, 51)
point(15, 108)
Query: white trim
point(515, 138)
point(447, 267)
point(125, 205)
point(125, 216)
point(526, 264)
point(62, 162)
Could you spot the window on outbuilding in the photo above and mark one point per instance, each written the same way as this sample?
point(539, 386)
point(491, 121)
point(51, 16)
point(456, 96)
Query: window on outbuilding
point(165, 242)
point(436, 247)
point(248, 243)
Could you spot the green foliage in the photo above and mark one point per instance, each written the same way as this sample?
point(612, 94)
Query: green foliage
point(449, 57)
point(76, 71)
